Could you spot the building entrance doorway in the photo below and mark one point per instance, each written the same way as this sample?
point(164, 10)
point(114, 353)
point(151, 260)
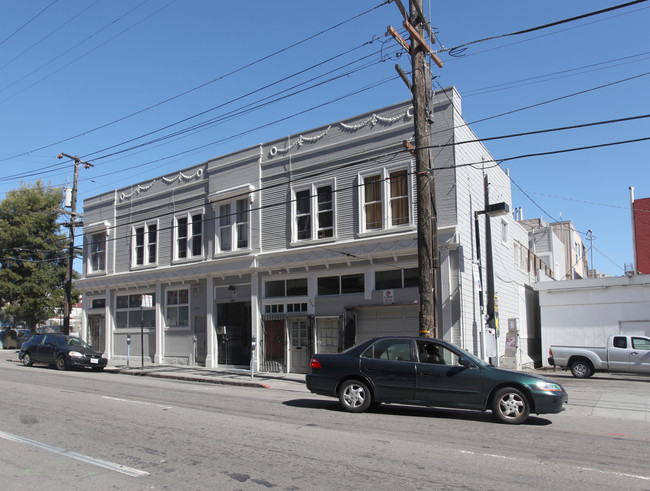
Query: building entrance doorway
point(299, 347)
point(273, 345)
point(234, 333)
point(96, 330)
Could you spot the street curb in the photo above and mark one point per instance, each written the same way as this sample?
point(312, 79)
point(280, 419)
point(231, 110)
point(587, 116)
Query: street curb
point(139, 373)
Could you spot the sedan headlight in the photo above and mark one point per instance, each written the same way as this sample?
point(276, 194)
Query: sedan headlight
point(548, 386)
point(75, 354)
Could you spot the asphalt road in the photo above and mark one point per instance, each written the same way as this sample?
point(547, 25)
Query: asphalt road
point(86, 430)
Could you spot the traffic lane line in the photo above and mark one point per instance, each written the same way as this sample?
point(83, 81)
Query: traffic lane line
point(129, 471)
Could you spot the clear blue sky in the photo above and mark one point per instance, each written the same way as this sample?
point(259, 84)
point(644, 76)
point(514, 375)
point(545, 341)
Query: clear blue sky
point(70, 67)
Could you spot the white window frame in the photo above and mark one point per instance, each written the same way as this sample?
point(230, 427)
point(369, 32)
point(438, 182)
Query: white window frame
point(147, 260)
point(134, 312)
point(90, 231)
point(385, 199)
point(191, 238)
point(505, 232)
point(234, 225)
point(178, 306)
point(313, 213)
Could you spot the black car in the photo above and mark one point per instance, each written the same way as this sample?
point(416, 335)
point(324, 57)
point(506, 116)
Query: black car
point(60, 350)
point(429, 372)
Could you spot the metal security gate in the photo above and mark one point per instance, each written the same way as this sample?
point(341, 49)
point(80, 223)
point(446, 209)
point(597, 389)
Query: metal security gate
point(200, 339)
point(273, 346)
point(96, 339)
point(234, 333)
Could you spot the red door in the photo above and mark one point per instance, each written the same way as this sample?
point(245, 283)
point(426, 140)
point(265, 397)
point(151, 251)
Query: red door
point(274, 344)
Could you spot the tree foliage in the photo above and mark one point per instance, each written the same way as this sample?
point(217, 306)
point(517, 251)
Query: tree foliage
point(33, 259)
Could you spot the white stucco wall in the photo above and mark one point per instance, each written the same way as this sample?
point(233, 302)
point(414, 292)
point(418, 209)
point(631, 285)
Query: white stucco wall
point(586, 312)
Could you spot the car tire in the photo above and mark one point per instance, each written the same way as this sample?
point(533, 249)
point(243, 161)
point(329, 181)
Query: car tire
point(27, 359)
point(510, 406)
point(354, 396)
point(60, 363)
point(581, 369)
point(98, 369)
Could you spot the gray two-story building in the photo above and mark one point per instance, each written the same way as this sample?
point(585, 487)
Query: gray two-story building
point(303, 244)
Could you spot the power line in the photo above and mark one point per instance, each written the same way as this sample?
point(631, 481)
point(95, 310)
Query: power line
point(205, 84)
point(255, 105)
point(53, 31)
point(455, 50)
point(539, 132)
point(26, 23)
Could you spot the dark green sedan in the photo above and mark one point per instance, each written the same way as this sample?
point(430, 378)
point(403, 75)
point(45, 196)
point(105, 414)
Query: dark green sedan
point(429, 372)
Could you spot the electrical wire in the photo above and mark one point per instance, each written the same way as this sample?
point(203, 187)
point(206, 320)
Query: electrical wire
point(26, 23)
point(205, 84)
point(55, 30)
point(456, 50)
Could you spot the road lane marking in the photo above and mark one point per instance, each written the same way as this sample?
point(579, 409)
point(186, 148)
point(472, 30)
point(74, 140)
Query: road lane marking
point(131, 401)
point(129, 471)
point(611, 473)
point(614, 473)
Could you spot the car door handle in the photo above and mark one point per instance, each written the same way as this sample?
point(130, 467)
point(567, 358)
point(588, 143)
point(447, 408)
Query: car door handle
point(634, 353)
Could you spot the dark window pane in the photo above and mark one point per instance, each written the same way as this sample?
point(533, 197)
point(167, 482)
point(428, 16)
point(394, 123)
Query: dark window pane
point(328, 285)
point(411, 278)
point(297, 287)
point(352, 283)
point(98, 303)
point(274, 289)
point(303, 201)
point(304, 227)
point(386, 280)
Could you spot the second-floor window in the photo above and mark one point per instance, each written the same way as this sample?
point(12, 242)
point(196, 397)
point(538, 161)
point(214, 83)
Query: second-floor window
point(233, 225)
point(97, 252)
point(145, 239)
point(314, 213)
point(385, 200)
point(189, 235)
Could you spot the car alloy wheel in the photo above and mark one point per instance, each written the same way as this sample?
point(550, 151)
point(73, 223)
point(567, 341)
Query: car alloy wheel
point(60, 363)
point(354, 396)
point(27, 360)
point(510, 406)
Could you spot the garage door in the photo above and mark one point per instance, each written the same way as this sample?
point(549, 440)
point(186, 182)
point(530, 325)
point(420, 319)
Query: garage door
point(387, 321)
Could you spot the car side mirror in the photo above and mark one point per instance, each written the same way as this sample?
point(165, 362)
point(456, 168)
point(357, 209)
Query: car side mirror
point(464, 362)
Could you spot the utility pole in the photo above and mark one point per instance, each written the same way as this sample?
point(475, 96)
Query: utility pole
point(591, 250)
point(416, 24)
point(67, 308)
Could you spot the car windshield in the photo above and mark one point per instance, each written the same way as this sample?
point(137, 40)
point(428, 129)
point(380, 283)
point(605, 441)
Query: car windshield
point(473, 358)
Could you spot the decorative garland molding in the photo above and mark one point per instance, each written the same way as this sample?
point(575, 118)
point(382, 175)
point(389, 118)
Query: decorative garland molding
point(166, 180)
point(371, 121)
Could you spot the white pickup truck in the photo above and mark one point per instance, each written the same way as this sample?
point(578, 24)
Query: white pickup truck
point(623, 353)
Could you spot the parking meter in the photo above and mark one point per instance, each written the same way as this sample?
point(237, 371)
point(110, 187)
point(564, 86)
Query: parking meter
point(253, 346)
point(128, 349)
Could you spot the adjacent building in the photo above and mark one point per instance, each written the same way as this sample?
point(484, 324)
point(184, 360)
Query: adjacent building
point(308, 244)
point(641, 230)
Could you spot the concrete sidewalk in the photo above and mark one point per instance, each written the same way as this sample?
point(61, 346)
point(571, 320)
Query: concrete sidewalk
point(222, 376)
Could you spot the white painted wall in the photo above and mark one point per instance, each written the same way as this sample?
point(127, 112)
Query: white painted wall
point(586, 312)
